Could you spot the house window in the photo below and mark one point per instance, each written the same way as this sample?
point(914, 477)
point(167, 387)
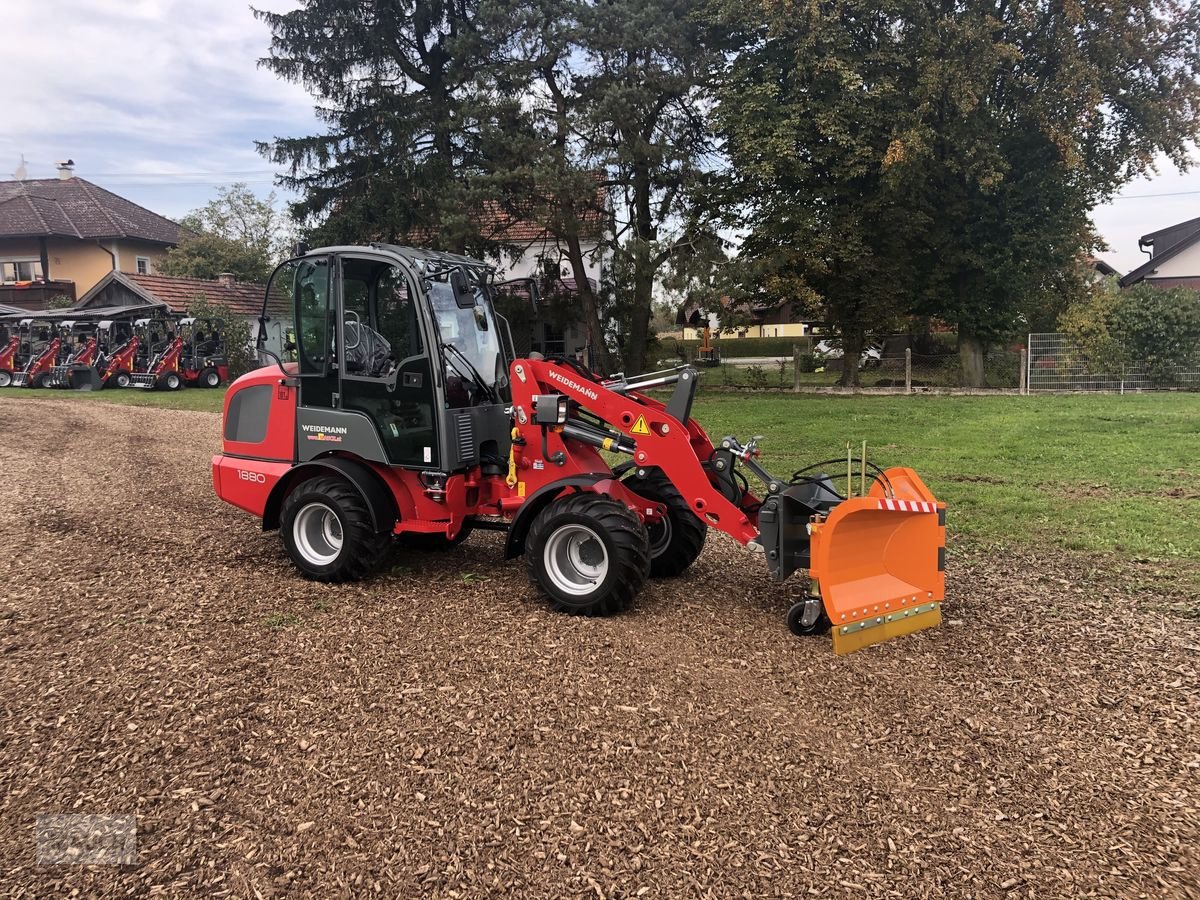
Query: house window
point(20, 270)
point(555, 343)
point(143, 265)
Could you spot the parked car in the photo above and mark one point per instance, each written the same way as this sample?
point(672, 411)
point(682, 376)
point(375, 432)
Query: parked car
point(831, 348)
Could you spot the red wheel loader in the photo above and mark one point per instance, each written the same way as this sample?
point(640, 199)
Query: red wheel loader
point(163, 371)
point(82, 352)
point(406, 415)
point(202, 361)
point(116, 369)
point(10, 344)
point(45, 344)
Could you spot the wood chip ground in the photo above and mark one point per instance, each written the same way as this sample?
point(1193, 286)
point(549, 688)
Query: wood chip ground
point(438, 732)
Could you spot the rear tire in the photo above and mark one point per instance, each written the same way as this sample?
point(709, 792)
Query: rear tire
point(327, 531)
point(677, 540)
point(588, 554)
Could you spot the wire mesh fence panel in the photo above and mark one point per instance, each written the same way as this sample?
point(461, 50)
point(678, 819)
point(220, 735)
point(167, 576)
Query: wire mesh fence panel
point(1057, 364)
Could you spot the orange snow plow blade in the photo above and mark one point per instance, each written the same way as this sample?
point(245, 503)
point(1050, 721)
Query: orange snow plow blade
point(879, 562)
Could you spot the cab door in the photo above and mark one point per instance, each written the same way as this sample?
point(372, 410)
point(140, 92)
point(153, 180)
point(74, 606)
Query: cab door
point(384, 359)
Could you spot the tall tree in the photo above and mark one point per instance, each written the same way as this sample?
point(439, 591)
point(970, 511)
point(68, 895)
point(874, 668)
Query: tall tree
point(397, 87)
point(806, 110)
point(236, 232)
point(559, 110)
point(1013, 119)
point(1025, 115)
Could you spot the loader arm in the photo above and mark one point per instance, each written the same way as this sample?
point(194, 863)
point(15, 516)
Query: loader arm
point(639, 427)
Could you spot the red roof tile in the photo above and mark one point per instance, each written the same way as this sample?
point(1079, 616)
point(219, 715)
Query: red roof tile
point(239, 296)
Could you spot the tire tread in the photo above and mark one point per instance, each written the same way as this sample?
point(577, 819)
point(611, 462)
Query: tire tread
point(367, 547)
point(632, 557)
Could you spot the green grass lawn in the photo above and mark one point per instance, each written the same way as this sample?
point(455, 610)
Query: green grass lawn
point(1112, 474)
point(1102, 473)
point(201, 399)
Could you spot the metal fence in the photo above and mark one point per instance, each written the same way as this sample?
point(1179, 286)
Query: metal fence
point(1056, 364)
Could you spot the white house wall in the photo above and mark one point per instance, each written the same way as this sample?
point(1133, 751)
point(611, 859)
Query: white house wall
point(1183, 265)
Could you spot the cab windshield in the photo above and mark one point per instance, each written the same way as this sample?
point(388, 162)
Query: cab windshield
point(474, 353)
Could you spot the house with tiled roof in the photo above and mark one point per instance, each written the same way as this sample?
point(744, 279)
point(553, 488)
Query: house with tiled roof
point(61, 236)
point(142, 294)
point(1174, 257)
point(538, 254)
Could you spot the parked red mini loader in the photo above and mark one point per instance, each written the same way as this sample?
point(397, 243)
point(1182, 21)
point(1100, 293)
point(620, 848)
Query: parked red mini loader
point(8, 357)
point(203, 363)
point(84, 353)
point(36, 373)
point(407, 414)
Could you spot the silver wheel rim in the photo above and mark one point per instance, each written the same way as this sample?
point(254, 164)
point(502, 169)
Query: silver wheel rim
point(660, 536)
point(576, 560)
point(318, 534)
point(5, 379)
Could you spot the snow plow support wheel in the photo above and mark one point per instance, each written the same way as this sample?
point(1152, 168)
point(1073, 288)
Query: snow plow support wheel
point(795, 622)
point(677, 541)
point(327, 531)
point(588, 554)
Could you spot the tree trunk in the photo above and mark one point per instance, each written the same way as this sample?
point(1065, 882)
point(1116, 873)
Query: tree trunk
point(852, 347)
point(970, 357)
point(589, 309)
point(643, 273)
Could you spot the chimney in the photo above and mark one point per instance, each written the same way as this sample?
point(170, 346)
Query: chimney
point(66, 169)
point(227, 279)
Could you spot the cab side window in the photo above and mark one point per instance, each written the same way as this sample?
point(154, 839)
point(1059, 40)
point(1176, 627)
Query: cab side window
point(397, 314)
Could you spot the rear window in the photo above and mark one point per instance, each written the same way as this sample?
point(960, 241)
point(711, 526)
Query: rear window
point(247, 418)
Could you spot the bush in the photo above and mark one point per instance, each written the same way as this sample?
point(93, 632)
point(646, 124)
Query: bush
point(756, 377)
point(733, 348)
point(1144, 327)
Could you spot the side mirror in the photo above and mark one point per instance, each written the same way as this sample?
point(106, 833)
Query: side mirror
point(464, 294)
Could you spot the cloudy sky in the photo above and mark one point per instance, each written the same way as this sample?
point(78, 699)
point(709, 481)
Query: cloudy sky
point(161, 101)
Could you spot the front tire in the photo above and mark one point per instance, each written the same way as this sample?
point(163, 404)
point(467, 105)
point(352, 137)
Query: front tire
point(209, 378)
point(41, 380)
point(171, 382)
point(588, 554)
point(327, 531)
point(678, 538)
point(121, 380)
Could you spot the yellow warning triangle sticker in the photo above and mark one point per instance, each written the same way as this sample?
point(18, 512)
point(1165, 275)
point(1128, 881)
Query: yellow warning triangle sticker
point(640, 426)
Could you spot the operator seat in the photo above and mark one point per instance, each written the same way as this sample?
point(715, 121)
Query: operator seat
point(370, 354)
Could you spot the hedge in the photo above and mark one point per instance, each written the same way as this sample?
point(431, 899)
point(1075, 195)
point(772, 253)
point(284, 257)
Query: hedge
point(733, 348)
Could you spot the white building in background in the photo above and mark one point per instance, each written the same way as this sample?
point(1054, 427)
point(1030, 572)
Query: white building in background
point(1174, 257)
